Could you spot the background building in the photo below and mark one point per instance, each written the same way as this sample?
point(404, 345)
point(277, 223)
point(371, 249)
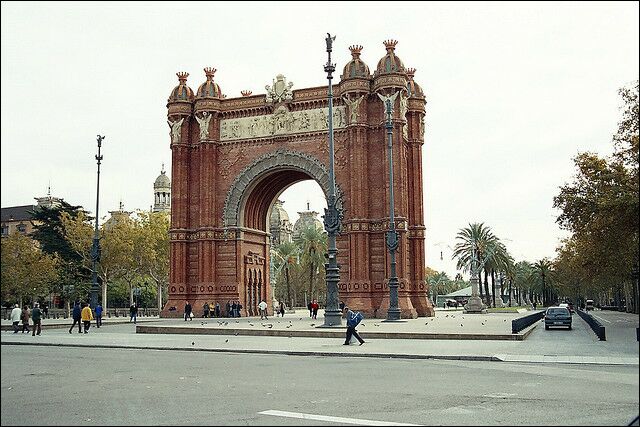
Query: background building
point(18, 219)
point(162, 192)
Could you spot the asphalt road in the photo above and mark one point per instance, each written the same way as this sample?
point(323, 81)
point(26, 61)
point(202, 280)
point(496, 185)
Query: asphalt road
point(71, 386)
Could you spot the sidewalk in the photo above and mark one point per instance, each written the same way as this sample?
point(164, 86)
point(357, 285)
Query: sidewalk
point(51, 323)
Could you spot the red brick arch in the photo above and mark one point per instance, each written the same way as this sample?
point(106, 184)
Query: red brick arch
point(226, 177)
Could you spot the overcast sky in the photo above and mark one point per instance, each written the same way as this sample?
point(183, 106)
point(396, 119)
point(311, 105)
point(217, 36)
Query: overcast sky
point(514, 92)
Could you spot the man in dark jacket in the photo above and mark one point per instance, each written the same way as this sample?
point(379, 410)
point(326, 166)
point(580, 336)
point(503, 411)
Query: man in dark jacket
point(77, 315)
point(36, 316)
point(187, 311)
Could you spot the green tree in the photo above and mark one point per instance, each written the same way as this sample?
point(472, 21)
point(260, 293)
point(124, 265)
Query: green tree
point(285, 258)
point(543, 273)
point(601, 210)
point(154, 244)
point(313, 247)
point(473, 250)
point(26, 270)
point(74, 278)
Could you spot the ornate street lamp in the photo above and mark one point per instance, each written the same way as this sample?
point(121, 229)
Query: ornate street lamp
point(95, 250)
point(393, 239)
point(332, 214)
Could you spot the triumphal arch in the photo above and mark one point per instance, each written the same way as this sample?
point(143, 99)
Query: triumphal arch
point(232, 157)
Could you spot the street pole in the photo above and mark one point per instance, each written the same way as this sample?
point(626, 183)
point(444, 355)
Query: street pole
point(332, 214)
point(95, 250)
point(392, 235)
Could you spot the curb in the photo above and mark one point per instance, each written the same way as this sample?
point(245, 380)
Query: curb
point(185, 330)
point(275, 352)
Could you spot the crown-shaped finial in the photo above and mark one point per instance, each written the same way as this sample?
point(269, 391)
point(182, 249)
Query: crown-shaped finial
point(355, 50)
point(411, 72)
point(209, 72)
point(182, 76)
point(246, 92)
point(390, 44)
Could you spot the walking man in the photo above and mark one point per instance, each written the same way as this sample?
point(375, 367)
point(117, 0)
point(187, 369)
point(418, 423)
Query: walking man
point(205, 310)
point(217, 310)
point(98, 315)
point(36, 316)
point(87, 317)
point(77, 313)
point(187, 312)
point(263, 310)
point(16, 313)
point(353, 319)
point(133, 312)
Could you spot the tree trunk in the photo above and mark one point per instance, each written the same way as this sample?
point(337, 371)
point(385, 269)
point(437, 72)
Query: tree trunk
point(160, 297)
point(480, 285)
point(486, 286)
point(104, 294)
point(493, 287)
point(311, 282)
point(286, 271)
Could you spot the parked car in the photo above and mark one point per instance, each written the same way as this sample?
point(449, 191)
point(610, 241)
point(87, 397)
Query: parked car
point(588, 305)
point(557, 316)
point(568, 306)
point(451, 303)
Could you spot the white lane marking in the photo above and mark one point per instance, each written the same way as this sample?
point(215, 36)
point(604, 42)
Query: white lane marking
point(600, 318)
point(332, 419)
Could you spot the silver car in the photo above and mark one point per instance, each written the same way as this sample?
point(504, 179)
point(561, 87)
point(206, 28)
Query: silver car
point(557, 316)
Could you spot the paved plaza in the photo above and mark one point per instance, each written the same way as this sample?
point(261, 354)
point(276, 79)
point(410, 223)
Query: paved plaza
point(383, 339)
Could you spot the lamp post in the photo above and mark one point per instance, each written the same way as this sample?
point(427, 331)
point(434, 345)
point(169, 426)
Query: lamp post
point(95, 250)
point(393, 239)
point(332, 214)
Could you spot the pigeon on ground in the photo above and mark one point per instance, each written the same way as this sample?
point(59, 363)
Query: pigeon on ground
point(270, 326)
point(227, 340)
point(250, 324)
point(237, 321)
point(313, 324)
point(193, 343)
point(461, 324)
point(236, 334)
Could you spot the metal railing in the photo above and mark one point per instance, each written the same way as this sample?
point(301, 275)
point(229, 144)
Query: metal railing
point(522, 322)
point(597, 327)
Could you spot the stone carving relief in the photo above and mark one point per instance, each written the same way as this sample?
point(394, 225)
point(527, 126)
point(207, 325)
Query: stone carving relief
point(204, 125)
point(176, 130)
point(281, 122)
point(280, 91)
point(403, 115)
point(354, 108)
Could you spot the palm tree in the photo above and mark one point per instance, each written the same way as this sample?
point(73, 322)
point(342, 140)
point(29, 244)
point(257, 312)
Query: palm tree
point(439, 282)
point(285, 257)
point(313, 244)
point(472, 251)
point(542, 270)
point(497, 260)
point(523, 279)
